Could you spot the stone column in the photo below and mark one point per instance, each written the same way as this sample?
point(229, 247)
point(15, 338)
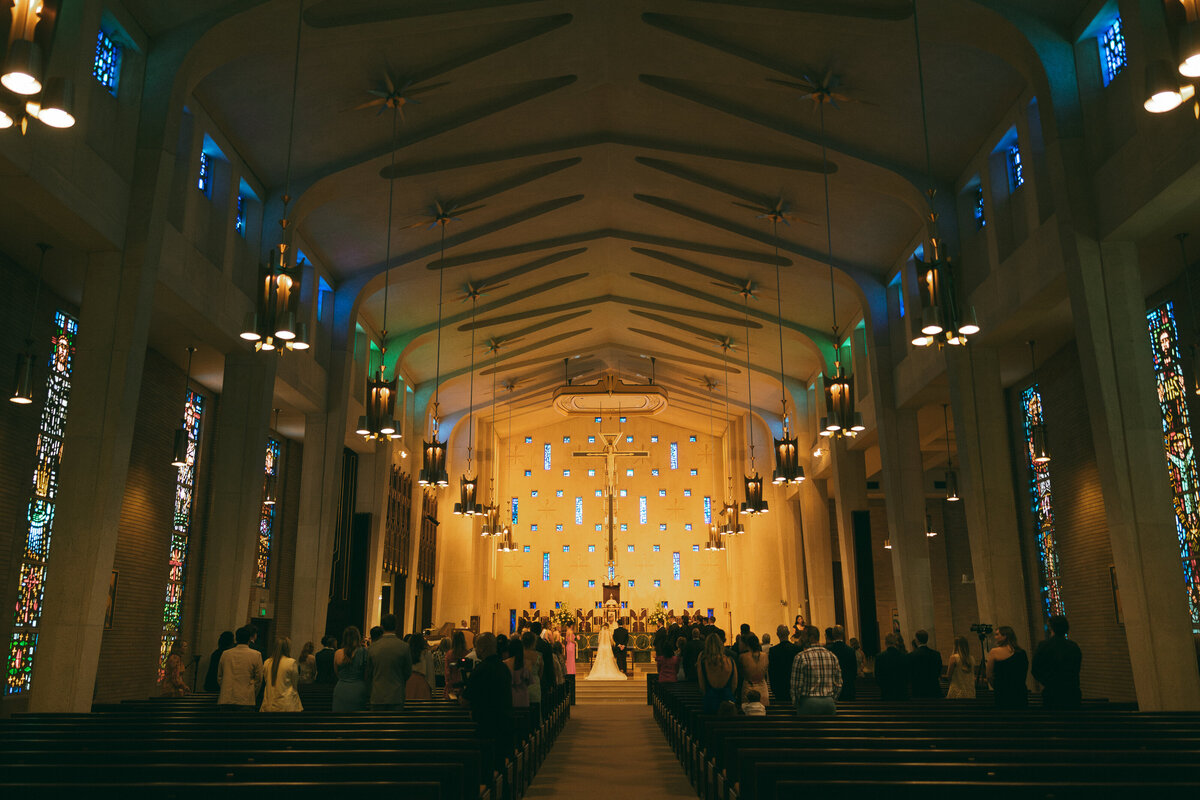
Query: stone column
point(818, 550)
point(849, 483)
point(105, 387)
point(1107, 302)
point(986, 483)
point(238, 445)
point(373, 469)
point(319, 477)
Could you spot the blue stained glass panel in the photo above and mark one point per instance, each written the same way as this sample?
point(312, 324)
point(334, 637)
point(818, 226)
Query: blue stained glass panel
point(642, 510)
point(239, 219)
point(1016, 169)
point(1042, 501)
point(675, 565)
point(708, 511)
point(1112, 51)
point(106, 67)
point(1180, 448)
point(979, 211)
point(578, 510)
point(204, 181)
point(545, 566)
point(674, 455)
point(514, 511)
point(546, 456)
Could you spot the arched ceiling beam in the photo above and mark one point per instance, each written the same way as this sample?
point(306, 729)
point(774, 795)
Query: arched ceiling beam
point(709, 182)
point(344, 13)
point(692, 348)
point(604, 298)
point(888, 10)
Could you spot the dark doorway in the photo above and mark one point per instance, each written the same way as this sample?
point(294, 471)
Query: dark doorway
point(868, 621)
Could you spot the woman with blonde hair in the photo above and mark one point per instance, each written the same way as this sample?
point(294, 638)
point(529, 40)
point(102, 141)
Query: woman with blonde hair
point(173, 683)
point(307, 663)
point(283, 676)
point(961, 671)
point(718, 674)
point(1007, 666)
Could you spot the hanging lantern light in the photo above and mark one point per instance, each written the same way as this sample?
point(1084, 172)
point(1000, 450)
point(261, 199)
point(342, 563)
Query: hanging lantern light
point(468, 502)
point(433, 472)
point(180, 445)
point(787, 454)
point(929, 531)
point(887, 544)
point(755, 504)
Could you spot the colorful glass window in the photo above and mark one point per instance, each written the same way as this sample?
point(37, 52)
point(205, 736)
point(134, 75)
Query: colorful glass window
point(514, 511)
point(566, 440)
point(629, 548)
point(106, 67)
point(979, 210)
point(674, 455)
point(708, 511)
point(1112, 51)
point(39, 514)
point(239, 217)
point(526, 548)
point(662, 492)
point(528, 473)
point(623, 493)
point(591, 440)
point(654, 438)
point(533, 528)
point(591, 473)
point(528, 440)
point(566, 584)
point(687, 492)
point(592, 585)
point(687, 526)
point(622, 420)
point(612, 572)
point(662, 526)
point(696, 582)
point(524, 584)
point(657, 583)
point(545, 566)
point(546, 456)
point(693, 472)
point(597, 420)
point(185, 489)
point(1043, 507)
point(204, 181)
point(628, 439)
point(599, 527)
point(558, 492)
point(624, 526)
point(1016, 169)
point(566, 548)
point(654, 472)
point(675, 565)
point(1180, 450)
point(656, 548)
point(266, 522)
point(599, 493)
point(558, 527)
point(533, 493)
point(642, 510)
point(631, 583)
point(578, 510)
point(591, 548)
point(695, 548)
point(629, 473)
point(566, 473)
point(692, 438)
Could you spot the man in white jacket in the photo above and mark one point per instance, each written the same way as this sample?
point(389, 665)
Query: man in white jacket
point(240, 674)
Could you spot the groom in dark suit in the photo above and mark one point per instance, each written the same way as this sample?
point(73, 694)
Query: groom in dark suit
point(620, 638)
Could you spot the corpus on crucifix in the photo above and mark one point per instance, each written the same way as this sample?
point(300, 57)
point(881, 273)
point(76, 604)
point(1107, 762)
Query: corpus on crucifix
point(610, 454)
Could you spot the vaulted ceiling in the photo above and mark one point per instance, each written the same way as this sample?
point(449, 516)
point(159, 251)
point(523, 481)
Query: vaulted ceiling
point(608, 165)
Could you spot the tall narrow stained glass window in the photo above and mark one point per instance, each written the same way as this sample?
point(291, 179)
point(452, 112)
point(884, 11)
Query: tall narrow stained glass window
point(979, 209)
point(642, 509)
point(1180, 449)
point(204, 182)
point(674, 455)
point(545, 566)
point(546, 456)
point(39, 515)
point(1016, 169)
point(266, 523)
point(239, 220)
point(675, 565)
point(708, 511)
point(1042, 501)
point(578, 510)
point(106, 67)
point(185, 488)
point(1112, 51)
point(514, 511)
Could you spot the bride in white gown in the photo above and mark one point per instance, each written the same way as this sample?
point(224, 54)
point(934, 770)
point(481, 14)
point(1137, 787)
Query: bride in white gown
point(605, 666)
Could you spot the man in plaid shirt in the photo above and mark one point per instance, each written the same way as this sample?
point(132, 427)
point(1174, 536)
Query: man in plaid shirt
point(816, 677)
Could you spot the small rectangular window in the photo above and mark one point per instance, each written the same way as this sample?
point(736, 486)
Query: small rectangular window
point(239, 223)
point(592, 585)
point(1016, 170)
point(204, 182)
point(675, 564)
point(1112, 51)
point(657, 583)
point(524, 584)
point(978, 210)
point(107, 65)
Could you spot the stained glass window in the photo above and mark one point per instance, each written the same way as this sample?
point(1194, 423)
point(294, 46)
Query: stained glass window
point(578, 510)
point(692, 438)
point(1181, 454)
point(597, 420)
point(687, 526)
point(266, 522)
point(642, 510)
point(566, 585)
point(599, 493)
point(1112, 51)
point(622, 492)
point(533, 528)
point(592, 585)
point(708, 511)
point(978, 209)
point(204, 182)
point(185, 486)
point(599, 526)
point(696, 582)
point(654, 472)
point(662, 526)
point(545, 566)
point(629, 473)
point(674, 455)
point(628, 438)
point(524, 584)
point(514, 511)
point(558, 492)
point(558, 527)
point(1043, 507)
point(629, 548)
point(546, 456)
point(528, 440)
point(39, 515)
point(566, 473)
point(654, 438)
point(693, 472)
point(591, 473)
point(675, 565)
point(612, 572)
point(566, 548)
point(695, 548)
point(656, 547)
point(533, 493)
point(687, 492)
point(624, 526)
point(622, 420)
point(106, 67)
point(1016, 171)
point(631, 583)
point(239, 219)
point(657, 583)
point(526, 550)
point(591, 440)
point(662, 492)
point(566, 440)
point(528, 473)
point(591, 548)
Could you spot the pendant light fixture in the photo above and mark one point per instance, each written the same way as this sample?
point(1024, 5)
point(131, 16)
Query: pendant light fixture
point(468, 485)
point(23, 379)
point(942, 322)
point(840, 420)
point(929, 531)
point(380, 420)
point(24, 91)
point(731, 522)
point(1041, 451)
point(433, 469)
point(273, 325)
point(951, 475)
point(180, 449)
point(754, 504)
point(787, 452)
point(271, 477)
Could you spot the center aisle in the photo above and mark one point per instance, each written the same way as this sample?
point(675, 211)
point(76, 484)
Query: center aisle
point(614, 748)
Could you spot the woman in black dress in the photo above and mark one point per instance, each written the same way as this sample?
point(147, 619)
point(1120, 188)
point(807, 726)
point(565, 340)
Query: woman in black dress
point(1007, 666)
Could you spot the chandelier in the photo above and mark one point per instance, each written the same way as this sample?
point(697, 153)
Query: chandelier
point(468, 487)
point(273, 325)
point(24, 90)
point(753, 485)
point(23, 383)
point(941, 320)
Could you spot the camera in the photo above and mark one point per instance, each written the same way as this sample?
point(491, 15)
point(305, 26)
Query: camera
point(982, 628)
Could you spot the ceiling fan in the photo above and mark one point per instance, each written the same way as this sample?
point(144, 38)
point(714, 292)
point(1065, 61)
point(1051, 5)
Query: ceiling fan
point(396, 94)
point(820, 90)
point(780, 211)
point(439, 214)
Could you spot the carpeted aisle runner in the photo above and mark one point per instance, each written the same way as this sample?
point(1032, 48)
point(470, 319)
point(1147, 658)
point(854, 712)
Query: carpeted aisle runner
point(613, 750)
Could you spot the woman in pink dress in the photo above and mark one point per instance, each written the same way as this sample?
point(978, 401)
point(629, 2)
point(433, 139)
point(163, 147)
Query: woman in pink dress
point(569, 655)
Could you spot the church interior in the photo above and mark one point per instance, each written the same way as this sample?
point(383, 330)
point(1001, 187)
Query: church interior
point(879, 314)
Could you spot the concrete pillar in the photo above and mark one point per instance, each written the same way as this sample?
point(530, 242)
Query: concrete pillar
point(789, 552)
point(320, 473)
point(904, 488)
point(986, 485)
point(1107, 302)
point(106, 384)
point(373, 469)
point(818, 551)
point(231, 538)
point(849, 484)
point(420, 432)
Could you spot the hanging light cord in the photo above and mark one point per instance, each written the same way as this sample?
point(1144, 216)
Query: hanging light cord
point(437, 377)
point(749, 395)
point(37, 291)
point(492, 472)
point(287, 180)
point(471, 392)
point(779, 307)
point(924, 119)
point(725, 369)
point(828, 223)
point(946, 420)
point(387, 253)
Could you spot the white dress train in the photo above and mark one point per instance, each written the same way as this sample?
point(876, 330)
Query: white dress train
point(604, 668)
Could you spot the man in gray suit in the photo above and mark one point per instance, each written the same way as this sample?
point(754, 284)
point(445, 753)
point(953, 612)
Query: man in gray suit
point(388, 668)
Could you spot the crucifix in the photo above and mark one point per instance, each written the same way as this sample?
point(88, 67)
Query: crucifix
point(610, 454)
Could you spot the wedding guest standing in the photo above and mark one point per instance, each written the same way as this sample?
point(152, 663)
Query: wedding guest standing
point(489, 694)
point(667, 660)
point(752, 665)
point(718, 674)
point(925, 668)
point(350, 691)
point(282, 677)
point(569, 656)
point(1007, 665)
point(891, 673)
point(454, 659)
point(1056, 664)
point(521, 679)
point(224, 642)
point(420, 683)
point(387, 669)
point(846, 660)
point(779, 666)
point(307, 664)
point(173, 683)
point(240, 674)
point(961, 671)
point(816, 677)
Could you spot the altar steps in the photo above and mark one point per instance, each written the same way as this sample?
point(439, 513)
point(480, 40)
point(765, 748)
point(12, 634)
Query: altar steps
point(608, 692)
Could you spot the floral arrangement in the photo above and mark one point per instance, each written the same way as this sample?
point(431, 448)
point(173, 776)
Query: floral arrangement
point(657, 617)
point(562, 616)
